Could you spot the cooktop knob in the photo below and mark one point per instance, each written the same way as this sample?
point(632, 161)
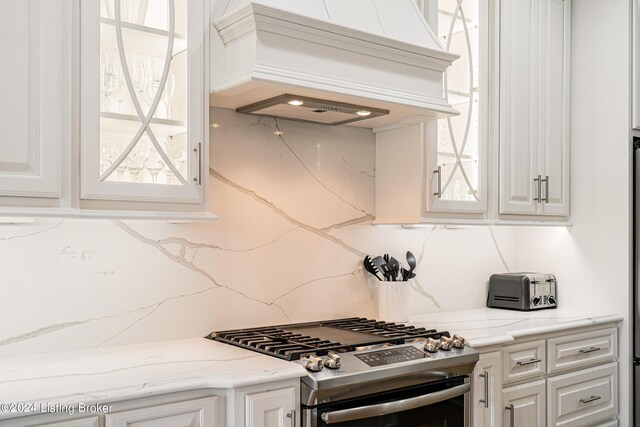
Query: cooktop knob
point(431, 345)
point(458, 341)
point(313, 363)
point(332, 361)
point(445, 343)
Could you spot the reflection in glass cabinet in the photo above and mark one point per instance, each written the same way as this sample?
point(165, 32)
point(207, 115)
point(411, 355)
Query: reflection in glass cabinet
point(459, 138)
point(143, 86)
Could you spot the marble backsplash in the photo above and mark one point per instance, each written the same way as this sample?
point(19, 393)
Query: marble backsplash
point(295, 203)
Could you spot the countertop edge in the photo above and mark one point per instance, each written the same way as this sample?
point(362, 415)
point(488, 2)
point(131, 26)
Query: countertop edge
point(562, 326)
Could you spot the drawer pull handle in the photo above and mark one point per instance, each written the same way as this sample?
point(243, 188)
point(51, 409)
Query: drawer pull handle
point(485, 375)
point(528, 362)
point(512, 415)
point(589, 350)
point(591, 399)
point(292, 416)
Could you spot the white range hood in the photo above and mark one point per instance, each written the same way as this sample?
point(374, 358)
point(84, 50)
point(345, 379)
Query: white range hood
point(346, 57)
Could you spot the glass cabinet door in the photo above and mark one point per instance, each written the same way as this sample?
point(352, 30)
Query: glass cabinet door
point(458, 147)
point(142, 99)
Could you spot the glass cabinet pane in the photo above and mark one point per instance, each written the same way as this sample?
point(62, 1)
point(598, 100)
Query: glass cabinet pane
point(143, 86)
point(459, 138)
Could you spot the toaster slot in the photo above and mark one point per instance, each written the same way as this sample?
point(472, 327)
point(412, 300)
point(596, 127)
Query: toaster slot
point(506, 298)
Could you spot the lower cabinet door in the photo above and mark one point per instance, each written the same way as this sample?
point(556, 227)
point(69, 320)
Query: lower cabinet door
point(524, 405)
point(273, 408)
point(192, 413)
point(486, 393)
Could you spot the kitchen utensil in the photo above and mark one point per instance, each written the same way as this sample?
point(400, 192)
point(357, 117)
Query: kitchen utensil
point(371, 268)
point(411, 260)
point(395, 269)
point(378, 262)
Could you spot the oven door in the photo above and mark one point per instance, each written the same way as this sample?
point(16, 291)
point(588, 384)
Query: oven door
point(441, 404)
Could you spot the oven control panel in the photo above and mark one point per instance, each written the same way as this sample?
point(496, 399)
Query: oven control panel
point(391, 356)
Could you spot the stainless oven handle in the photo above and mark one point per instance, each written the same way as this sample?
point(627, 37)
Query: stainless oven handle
point(394, 407)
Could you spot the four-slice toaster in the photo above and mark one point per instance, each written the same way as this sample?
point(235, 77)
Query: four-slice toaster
point(522, 291)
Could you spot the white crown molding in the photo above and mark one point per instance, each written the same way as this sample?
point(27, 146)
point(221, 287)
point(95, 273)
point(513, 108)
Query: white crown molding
point(257, 17)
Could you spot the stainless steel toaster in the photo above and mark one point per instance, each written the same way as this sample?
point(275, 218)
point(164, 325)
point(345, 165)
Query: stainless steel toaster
point(522, 291)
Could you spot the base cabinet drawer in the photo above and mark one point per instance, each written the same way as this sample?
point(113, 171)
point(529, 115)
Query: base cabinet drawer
point(523, 361)
point(581, 350)
point(583, 398)
point(191, 413)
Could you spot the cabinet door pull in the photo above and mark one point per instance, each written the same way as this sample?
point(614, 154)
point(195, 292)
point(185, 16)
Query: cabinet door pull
point(538, 182)
point(589, 400)
point(512, 414)
point(545, 199)
point(588, 350)
point(485, 375)
point(198, 151)
point(528, 362)
point(439, 173)
point(292, 416)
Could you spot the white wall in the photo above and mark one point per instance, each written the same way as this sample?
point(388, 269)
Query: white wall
point(593, 258)
point(295, 222)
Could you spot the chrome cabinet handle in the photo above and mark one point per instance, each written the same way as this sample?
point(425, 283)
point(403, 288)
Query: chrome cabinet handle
point(364, 412)
point(589, 400)
point(528, 362)
point(198, 151)
point(512, 415)
point(545, 199)
point(589, 350)
point(538, 180)
point(439, 173)
point(292, 415)
point(485, 375)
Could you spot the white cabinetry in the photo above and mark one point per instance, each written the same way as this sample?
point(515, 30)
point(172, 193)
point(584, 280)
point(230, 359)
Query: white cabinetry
point(524, 405)
point(267, 405)
point(534, 107)
point(567, 379)
point(583, 397)
point(505, 158)
point(31, 83)
point(143, 101)
point(105, 111)
point(193, 413)
point(273, 408)
point(486, 393)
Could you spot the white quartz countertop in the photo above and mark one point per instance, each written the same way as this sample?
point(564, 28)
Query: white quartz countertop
point(112, 374)
point(488, 326)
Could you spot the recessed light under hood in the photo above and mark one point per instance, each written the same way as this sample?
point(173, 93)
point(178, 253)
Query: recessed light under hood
point(313, 110)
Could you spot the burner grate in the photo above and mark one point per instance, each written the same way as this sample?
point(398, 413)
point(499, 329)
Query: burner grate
point(283, 342)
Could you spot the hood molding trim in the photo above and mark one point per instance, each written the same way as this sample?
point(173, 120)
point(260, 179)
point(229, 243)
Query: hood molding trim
point(258, 17)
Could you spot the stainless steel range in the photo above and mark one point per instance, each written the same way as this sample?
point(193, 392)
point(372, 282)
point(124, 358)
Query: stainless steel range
point(364, 372)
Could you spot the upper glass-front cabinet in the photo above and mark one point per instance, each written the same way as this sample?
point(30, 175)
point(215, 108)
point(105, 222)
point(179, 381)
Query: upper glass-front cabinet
point(143, 100)
point(458, 148)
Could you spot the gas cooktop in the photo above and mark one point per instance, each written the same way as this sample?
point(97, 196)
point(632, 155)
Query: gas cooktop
point(339, 354)
point(299, 340)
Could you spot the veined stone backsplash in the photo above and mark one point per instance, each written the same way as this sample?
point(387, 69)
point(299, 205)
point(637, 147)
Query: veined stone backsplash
point(295, 222)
